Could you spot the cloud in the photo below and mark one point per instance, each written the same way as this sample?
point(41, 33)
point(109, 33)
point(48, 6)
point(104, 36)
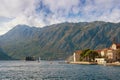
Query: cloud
point(20, 12)
point(40, 13)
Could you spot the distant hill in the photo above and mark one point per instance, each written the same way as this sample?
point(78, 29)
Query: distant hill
point(58, 41)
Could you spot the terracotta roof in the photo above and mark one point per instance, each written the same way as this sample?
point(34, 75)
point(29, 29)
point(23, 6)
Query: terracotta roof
point(110, 49)
point(118, 45)
point(98, 50)
point(105, 49)
point(78, 51)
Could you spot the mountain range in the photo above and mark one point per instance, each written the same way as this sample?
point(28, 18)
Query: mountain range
point(58, 41)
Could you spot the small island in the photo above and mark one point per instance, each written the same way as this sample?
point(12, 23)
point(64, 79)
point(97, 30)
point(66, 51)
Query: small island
point(107, 56)
point(30, 58)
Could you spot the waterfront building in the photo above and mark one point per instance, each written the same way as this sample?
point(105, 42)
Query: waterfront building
point(100, 60)
point(76, 55)
point(107, 54)
point(110, 54)
point(115, 46)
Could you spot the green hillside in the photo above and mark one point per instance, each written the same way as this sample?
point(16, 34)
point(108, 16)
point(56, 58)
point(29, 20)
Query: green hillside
point(58, 41)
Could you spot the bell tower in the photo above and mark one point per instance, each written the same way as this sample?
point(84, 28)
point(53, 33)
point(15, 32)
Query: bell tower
point(114, 46)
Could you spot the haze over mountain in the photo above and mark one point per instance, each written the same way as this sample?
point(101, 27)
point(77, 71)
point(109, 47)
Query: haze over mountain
point(58, 41)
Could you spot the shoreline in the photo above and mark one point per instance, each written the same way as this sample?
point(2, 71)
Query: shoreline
point(95, 63)
point(87, 63)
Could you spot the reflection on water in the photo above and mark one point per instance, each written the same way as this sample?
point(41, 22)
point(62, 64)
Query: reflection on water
point(44, 70)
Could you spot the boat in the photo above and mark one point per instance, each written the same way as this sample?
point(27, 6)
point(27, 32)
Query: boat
point(39, 59)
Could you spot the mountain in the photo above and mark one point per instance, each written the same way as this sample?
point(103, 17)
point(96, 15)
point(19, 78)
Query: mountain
point(58, 41)
point(4, 56)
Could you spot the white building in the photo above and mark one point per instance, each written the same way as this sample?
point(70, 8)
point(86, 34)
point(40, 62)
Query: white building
point(76, 55)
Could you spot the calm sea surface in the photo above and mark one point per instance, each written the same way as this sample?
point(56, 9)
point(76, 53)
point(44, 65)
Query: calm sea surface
point(53, 70)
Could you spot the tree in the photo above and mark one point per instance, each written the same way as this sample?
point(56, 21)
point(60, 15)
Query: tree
point(93, 55)
point(83, 55)
point(88, 55)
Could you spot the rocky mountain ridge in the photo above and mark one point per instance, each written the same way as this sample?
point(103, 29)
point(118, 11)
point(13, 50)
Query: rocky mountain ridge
point(58, 41)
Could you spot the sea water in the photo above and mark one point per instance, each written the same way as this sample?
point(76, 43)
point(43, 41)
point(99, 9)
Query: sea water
point(55, 70)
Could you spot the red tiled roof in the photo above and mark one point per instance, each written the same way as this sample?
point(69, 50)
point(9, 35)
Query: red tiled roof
point(78, 51)
point(110, 49)
point(118, 45)
point(98, 50)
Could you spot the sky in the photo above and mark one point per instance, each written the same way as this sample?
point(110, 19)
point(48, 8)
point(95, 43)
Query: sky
point(40, 13)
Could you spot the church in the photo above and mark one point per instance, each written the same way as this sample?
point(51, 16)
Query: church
point(111, 54)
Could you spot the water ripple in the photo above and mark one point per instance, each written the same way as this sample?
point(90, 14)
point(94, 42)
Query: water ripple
point(21, 70)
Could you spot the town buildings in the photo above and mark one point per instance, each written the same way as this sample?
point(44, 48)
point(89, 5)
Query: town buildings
point(111, 54)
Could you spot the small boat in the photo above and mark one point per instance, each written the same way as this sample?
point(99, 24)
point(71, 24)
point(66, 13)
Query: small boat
point(39, 59)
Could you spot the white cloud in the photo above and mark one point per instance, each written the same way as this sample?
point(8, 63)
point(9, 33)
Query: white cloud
point(13, 8)
point(22, 12)
point(56, 11)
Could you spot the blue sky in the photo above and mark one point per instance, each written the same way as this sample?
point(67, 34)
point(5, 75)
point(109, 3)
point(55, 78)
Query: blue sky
point(40, 13)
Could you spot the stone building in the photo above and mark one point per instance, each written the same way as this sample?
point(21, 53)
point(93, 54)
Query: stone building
point(76, 55)
point(110, 54)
